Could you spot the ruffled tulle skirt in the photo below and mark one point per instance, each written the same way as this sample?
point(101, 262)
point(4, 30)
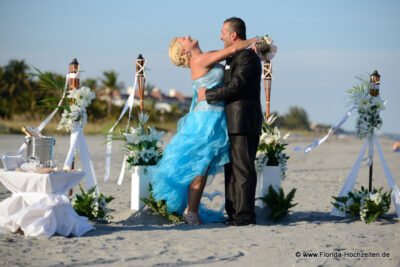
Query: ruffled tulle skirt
point(201, 141)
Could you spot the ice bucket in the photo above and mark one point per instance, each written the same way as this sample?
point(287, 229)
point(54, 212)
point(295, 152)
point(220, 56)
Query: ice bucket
point(40, 148)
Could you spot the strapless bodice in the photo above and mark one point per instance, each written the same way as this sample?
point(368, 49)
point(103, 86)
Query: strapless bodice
point(213, 78)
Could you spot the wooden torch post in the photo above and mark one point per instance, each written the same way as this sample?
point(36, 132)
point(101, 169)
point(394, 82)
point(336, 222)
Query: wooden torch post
point(374, 81)
point(140, 79)
point(73, 83)
point(267, 74)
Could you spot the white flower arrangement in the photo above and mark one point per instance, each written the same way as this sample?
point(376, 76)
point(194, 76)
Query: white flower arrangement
point(270, 148)
point(141, 143)
point(76, 111)
point(267, 48)
point(75, 104)
point(91, 205)
point(368, 110)
point(367, 206)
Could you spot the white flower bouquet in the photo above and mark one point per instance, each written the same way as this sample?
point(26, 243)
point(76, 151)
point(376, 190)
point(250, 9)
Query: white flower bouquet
point(92, 205)
point(368, 110)
point(141, 143)
point(75, 103)
point(266, 47)
point(76, 111)
point(270, 148)
point(367, 206)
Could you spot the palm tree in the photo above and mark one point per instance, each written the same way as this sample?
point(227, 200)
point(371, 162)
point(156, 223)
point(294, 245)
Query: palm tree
point(4, 109)
point(17, 88)
point(91, 83)
point(15, 74)
point(109, 85)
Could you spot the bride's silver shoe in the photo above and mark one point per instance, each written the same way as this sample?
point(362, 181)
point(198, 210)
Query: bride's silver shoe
point(192, 218)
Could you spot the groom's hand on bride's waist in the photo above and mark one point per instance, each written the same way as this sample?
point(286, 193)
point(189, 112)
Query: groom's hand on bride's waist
point(201, 94)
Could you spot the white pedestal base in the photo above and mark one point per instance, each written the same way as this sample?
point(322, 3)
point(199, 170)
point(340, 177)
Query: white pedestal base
point(141, 177)
point(271, 175)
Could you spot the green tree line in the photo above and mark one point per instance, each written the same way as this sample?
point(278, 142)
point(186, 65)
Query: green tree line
point(21, 95)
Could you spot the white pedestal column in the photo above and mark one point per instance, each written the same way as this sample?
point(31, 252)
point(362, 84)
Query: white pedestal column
point(271, 175)
point(141, 177)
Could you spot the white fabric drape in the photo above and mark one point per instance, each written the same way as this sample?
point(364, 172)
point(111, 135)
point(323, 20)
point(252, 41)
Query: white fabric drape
point(331, 131)
point(38, 205)
point(87, 165)
point(389, 178)
point(128, 105)
point(78, 140)
point(350, 181)
point(46, 121)
point(351, 178)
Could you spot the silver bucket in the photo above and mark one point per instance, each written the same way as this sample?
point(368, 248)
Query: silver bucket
point(40, 148)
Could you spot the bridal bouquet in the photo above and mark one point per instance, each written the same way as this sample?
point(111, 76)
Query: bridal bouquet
point(368, 110)
point(266, 47)
point(76, 111)
point(270, 148)
point(367, 206)
point(141, 143)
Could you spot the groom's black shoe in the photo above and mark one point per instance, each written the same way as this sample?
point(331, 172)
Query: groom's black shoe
point(238, 222)
point(230, 222)
point(243, 222)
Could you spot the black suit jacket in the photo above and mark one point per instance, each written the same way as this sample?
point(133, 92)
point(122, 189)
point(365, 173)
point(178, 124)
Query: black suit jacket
point(241, 92)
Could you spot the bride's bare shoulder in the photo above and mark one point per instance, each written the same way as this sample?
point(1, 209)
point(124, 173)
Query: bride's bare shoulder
point(198, 70)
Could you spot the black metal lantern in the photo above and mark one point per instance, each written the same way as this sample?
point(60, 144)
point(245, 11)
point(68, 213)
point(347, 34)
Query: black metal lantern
point(374, 81)
point(74, 66)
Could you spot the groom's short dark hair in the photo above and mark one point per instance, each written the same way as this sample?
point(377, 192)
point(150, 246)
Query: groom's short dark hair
point(237, 25)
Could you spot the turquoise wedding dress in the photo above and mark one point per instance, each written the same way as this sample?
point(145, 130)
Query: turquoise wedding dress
point(201, 141)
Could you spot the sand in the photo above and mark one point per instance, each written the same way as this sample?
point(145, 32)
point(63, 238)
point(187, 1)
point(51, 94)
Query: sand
point(143, 239)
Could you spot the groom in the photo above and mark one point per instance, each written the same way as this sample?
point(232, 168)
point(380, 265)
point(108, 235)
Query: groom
point(241, 92)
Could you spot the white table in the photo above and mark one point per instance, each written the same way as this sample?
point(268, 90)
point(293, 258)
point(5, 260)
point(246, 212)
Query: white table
point(38, 205)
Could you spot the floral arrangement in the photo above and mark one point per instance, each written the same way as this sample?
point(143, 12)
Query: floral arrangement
point(74, 106)
point(266, 47)
point(91, 205)
point(76, 111)
point(160, 207)
point(141, 143)
point(270, 148)
point(278, 202)
point(368, 110)
point(367, 206)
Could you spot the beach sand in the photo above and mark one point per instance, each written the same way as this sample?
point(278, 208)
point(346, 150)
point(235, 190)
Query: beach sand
point(143, 239)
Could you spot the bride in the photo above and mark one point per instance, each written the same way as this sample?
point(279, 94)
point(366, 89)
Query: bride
point(201, 143)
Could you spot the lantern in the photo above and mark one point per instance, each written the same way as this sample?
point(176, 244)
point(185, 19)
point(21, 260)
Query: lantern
point(374, 81)
point(74, 68)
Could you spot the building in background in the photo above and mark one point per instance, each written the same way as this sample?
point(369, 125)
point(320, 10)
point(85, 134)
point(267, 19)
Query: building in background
point(162, 101)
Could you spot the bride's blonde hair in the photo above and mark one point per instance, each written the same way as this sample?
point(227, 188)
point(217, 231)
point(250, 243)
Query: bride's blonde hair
point(177, 58)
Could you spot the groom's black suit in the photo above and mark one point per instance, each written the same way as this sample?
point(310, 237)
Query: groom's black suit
point(241, 92)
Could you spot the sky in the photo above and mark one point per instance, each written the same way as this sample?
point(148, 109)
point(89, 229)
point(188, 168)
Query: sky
point(322, 45)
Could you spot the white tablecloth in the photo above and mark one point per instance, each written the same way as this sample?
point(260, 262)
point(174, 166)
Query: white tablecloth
point(38, 205)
